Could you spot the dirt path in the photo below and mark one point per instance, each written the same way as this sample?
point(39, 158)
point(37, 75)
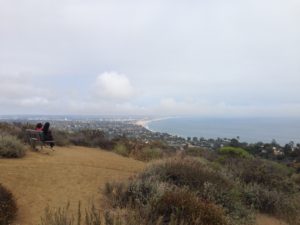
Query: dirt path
point(267, 220)
point(68, 174)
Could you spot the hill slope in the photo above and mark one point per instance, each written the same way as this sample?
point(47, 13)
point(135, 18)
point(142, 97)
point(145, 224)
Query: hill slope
point(67, 174)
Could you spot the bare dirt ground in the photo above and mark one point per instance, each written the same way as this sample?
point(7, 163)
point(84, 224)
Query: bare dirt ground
point(66, 175)
point(267, 220)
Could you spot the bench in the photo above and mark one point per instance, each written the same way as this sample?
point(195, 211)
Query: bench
point(35, 138)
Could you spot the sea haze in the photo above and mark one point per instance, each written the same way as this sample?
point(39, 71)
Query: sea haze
point(251, 130)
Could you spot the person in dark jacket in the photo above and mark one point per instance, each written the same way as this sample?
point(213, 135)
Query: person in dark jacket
point(47, 135)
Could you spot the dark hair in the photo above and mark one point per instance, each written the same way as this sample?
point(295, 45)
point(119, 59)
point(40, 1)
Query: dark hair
point(39, 125)
point(46, 127)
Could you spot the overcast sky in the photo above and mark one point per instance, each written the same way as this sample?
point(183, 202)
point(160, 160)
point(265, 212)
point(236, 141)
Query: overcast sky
point(168, 57)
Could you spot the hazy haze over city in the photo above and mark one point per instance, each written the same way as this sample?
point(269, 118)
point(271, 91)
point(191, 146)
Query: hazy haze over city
point(206, 58)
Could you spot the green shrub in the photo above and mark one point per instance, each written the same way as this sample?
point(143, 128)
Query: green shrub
point(296, 178)
point(136, 193)
point(61, 137)
point(149, 202)
point(121, 149)
point(91, 138)
point(207, 184)
point(148, 154)
point(11, 147)
point(10, 129)
point(266, 173)
point(183, 206)
point(210, 155)
point(272, 202)
point(8, 208)
point(230, 200)
point(186, 172)
point(234, 152)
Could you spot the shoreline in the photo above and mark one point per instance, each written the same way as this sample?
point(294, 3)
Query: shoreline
point(229, 132)
point(144, 122)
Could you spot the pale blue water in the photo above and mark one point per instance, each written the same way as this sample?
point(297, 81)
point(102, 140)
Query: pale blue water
point(249, 130)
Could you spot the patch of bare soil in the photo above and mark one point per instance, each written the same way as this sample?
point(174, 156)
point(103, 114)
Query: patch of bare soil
point(262, 219)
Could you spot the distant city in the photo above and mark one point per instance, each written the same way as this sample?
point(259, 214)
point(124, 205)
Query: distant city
point(115, 126)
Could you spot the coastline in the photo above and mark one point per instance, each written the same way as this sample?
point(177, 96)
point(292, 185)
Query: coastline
point(145, 122)
point(250, 130)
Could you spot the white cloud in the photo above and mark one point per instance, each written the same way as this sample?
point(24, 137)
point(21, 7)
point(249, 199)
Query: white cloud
point(170, 106)
point(18, 93)
point(34, 101)
point(113, 86)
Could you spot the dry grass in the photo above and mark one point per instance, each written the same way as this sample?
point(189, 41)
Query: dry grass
point(66, 175)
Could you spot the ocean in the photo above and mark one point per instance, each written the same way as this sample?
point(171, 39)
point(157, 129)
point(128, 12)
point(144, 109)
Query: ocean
point(250, 130)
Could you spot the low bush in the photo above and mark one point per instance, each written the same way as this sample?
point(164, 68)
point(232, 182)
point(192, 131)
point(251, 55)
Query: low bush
point(230, 199)
point(150, 202)
point(169, 190)
point(186, 172)
point(136, 193)
point(234, 152)
point(61, 137)
point(91, 138)
point(150, 189)
point(10, 129)
point(185, 207)
point(210, 155)
point(11, 147)
point(121, 149)
point(266, 173)
point(8, 208)
point(296, 178)
point(148, 154)
point(272, 202)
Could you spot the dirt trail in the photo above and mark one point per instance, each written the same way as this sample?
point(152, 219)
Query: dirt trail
point(68, 174)
point(267, 220)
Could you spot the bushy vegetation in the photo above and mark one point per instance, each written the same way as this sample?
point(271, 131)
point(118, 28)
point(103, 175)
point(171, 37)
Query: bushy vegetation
point(232, 191)
point(10, 129)
point(11, 147)
point(180, 191)
point(154, 202)
point(149, 153)
point(234, 152)
point(8, 208)
point(121, 149)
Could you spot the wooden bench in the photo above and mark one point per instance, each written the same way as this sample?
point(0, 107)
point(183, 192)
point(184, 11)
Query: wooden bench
point(35, 138)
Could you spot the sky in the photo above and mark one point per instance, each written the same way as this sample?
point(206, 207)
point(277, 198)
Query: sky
point(135, 57)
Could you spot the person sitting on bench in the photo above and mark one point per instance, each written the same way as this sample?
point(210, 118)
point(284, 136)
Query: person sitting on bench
point(39, 127)
point(47, 135)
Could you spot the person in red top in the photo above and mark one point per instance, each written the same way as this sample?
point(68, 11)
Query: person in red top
point(39, 127)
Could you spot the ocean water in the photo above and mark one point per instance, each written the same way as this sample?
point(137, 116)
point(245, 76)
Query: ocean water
point(251, 130)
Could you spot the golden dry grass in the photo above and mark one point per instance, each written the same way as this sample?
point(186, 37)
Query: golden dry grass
point(68, 174)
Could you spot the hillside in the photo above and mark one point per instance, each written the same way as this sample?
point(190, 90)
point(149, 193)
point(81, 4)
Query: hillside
point(67, 174)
